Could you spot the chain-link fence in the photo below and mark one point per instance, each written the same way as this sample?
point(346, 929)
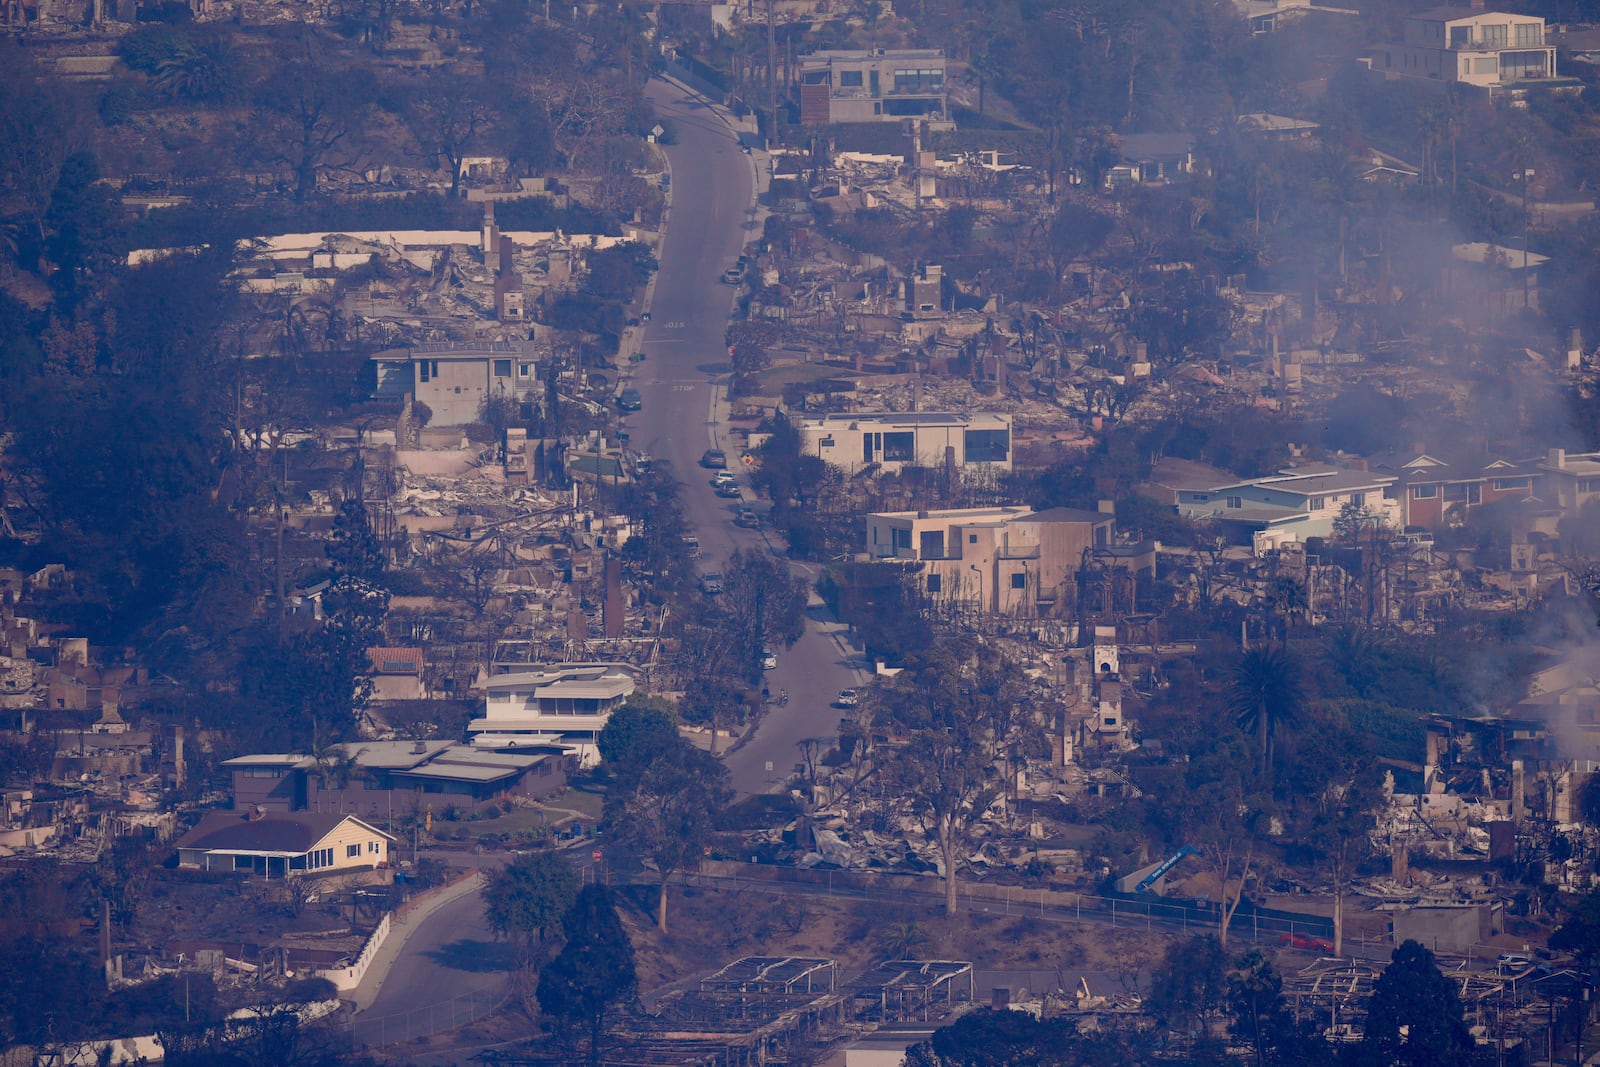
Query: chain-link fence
point(1146, 912)
point(379, 1031)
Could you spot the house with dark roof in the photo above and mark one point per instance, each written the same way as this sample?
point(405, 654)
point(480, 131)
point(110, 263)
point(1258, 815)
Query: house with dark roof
point(1439, 489)
point(379, 779)
point(277, 845)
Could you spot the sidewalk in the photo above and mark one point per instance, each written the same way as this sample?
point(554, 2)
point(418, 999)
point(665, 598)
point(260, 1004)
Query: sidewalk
point(407, 918)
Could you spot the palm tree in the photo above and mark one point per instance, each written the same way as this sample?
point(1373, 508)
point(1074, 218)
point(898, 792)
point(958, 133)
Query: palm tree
point(1265, 695)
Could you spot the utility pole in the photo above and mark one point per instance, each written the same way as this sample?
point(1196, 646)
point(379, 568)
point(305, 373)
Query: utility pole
point(772, 75)
point(1527, 172)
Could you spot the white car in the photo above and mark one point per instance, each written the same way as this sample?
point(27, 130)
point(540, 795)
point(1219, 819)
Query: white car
point(847, 698)
point(722, 478)
point(769, 660)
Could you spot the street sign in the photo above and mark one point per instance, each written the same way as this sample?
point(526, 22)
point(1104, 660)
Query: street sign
point(656, 130)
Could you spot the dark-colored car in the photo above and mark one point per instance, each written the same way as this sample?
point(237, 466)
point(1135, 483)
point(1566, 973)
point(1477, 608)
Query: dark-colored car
point(747, 519)
point(629, 400)
point(714, 458)
point(728, 490)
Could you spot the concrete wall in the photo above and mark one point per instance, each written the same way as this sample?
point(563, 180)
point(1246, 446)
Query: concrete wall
point(345, 979)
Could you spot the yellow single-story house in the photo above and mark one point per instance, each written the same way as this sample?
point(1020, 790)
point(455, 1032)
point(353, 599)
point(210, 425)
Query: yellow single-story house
point(280, 844)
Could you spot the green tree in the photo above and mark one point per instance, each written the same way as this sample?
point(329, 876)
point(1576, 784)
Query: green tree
point(634, 734)
point(1414, 1018)
point(1579, 932)
point(1265, 696)
point(1262, 1021)
point(593, 974)
point(766, 605)
point(666, 807)
point(1191, 982)
point(524, 902)
point(84, 221)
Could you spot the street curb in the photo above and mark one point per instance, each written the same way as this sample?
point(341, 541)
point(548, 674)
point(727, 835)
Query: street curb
point(405, 924)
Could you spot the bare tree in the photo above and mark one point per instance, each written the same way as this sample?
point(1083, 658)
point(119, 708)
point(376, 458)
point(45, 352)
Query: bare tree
point(946, 775)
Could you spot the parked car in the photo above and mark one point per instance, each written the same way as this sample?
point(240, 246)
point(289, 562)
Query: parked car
point(1306, 941)
point(722, 477)
point(747, 519)
point(728, 490)
point(714, 458)
point(769, 659)
point(847, 698)
point(711, 583)
point(692, 543)
point(629, 400)
point(732, 276)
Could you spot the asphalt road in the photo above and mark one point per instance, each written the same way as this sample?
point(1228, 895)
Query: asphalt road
point(683, 385)
point(451, 955)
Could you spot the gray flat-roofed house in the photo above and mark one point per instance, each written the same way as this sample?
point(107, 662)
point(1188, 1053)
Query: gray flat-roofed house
point(455, 378)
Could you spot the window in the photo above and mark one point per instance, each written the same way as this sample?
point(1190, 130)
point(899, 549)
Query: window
point(1486, 65)
point(972, 539)
point(1529, 34)
point(1236, 502)
point(1495, 36)
point(1358, 499)
point(987, 446)
point(850, 79)
point(1019, 580)
point(1507, 485)
point(1455, 492)
point(1588, 485)
point(900, 538)
point(1424, 492)
point(1460, 36)
point(424, 371)
point(502, 368)
point(900, 446)
point(932, 546)
point(935, 583)
point(919, 80)
point(1318, 503)
point(375, 847)
point(524, 370)
point(352, 852)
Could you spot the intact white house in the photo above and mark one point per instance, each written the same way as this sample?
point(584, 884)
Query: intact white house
point(1488, 49)
point(1296, 503)
point(894, 440)
point(563, 705)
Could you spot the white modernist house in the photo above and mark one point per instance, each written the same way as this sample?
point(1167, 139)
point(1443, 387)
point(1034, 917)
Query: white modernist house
point(562, 705)
point(1488, 49)
point(894, 440)
point(1292, 505)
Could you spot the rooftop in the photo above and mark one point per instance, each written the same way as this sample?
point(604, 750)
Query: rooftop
point(293, 833)
point(904, 418)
